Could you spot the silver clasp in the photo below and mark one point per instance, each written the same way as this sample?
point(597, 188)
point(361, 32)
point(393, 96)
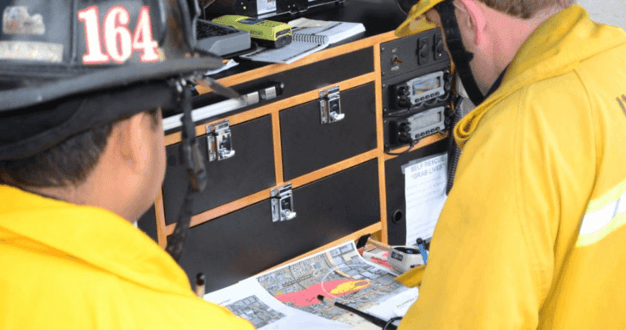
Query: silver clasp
point(219, 141)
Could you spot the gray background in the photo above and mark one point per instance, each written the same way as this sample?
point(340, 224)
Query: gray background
point(612, 12)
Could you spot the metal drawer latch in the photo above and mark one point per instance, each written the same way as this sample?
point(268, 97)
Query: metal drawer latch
point(330, 105)
point(282, 203)
point(219, 141)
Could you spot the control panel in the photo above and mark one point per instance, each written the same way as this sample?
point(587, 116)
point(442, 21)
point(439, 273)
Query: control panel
point(417, 88)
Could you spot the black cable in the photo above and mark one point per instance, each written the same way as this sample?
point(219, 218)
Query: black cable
point(389, 325)
point(454, 152)
point(371, 318)
point(413, 143)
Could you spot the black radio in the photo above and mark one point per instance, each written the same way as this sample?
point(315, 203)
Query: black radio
point(433, 87)
point(411, 128)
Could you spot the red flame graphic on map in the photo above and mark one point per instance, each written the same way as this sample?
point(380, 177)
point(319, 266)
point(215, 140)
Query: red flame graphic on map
point(330, 289)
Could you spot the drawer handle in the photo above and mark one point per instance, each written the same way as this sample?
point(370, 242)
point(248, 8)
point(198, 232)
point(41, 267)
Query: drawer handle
point(282, 203)
point(330, 106)
point(337, 116)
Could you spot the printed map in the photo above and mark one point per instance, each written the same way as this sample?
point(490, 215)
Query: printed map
point(255, 311)
point(340, 274)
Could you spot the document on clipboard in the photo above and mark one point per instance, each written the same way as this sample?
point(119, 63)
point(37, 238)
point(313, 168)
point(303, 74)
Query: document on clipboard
point(425, 193)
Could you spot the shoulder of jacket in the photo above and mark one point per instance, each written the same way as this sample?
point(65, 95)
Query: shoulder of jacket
point(555, 95)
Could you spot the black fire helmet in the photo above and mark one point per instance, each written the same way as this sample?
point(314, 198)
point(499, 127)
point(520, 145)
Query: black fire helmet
point(70, 65)
point(60, 58)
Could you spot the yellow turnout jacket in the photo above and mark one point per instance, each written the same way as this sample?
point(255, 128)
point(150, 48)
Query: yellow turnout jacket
point(64, 266)
point(533, 233)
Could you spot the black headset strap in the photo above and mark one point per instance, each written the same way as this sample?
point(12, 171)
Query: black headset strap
point(460, 55)
point(497, 83)
point(196, 172)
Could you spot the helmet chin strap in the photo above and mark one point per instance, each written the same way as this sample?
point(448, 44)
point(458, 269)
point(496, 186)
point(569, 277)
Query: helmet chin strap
point(196, 172)
point(192, 158)
point(459, 53)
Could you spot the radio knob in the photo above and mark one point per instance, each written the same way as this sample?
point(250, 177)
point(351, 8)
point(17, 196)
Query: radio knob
point(403, 91)
point(405, 128)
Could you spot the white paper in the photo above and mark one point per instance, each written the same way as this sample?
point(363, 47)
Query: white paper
point(265, 6)
point(335, 31)
point(307, 22)
point(425, 194)
point(249, 300)
point(287, 54)
point(231, 63)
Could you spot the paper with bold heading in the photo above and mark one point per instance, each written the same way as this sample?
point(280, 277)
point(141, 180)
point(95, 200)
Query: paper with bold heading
point(425, 193)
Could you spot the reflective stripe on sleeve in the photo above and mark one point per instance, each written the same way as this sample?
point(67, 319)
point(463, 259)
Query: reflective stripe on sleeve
point(603, 216)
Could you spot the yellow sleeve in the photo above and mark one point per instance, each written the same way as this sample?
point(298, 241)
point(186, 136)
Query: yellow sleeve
point(413, 277)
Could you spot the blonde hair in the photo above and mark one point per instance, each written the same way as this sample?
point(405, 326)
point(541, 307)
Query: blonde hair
point(526, 8)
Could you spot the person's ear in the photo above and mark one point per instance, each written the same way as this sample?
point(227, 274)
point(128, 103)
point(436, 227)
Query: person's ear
point(475, 18)
point(133, 143)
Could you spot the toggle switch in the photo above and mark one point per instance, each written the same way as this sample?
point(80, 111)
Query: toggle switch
point(396, 60)
point(422, 51)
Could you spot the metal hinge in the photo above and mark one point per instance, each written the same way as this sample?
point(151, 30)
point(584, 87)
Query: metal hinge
point(219, 141)
point(282, 203)
point(330, 105)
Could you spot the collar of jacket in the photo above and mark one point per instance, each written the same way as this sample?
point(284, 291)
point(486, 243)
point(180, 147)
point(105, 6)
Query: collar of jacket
point(556, 47)
point(91, 235)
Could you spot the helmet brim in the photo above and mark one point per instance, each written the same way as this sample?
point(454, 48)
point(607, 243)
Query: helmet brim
point(98, 79)
point(416, 22)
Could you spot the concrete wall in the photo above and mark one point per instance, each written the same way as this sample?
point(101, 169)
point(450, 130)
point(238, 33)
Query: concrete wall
point(612, 12)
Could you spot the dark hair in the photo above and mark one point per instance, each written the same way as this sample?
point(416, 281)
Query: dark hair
point(67, 163)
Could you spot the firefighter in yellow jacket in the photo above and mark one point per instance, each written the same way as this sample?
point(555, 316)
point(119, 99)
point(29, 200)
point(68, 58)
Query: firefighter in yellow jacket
point(533, 233)
point(82, 88)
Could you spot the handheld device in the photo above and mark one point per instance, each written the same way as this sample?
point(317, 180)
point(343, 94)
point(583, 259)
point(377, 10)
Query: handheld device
point(220, 39)
point(401, 258)
point(265, 32)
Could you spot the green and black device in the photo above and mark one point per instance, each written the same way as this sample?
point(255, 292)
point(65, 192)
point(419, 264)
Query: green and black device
point(265, 32)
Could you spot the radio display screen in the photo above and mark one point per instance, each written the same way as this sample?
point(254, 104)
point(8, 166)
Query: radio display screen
point(426, 120)
point(424, 86)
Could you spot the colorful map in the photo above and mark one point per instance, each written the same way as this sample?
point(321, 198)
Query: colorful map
point(340, 274)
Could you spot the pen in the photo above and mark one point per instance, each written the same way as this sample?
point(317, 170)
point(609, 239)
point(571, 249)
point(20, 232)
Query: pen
point(422, 247)
point(371, 318)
